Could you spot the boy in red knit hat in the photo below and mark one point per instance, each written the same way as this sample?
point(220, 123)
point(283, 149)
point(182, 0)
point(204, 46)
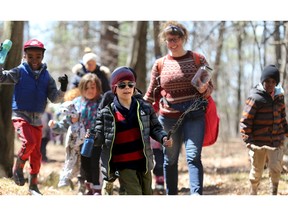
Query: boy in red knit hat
point(123, 130)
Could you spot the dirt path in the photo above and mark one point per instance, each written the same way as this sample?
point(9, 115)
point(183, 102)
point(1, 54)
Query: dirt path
point(226, 168)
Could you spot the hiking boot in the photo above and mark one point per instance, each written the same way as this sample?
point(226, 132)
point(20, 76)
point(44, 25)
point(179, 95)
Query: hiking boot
point(18, 175)
point(33, 188)
point(254, 189)
point(273, 189)
point(107, 188)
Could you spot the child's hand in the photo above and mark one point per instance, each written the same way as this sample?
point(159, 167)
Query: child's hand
point(51, 123)
point(64, 82)
point(167, 143)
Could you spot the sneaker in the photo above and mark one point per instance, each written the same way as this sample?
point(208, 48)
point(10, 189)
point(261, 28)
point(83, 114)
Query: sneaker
point(95, 189)
point(33, 190)
point(96, 192)
point(159, 180)
point(66, 183)
point(18, 175)
point(159, 184)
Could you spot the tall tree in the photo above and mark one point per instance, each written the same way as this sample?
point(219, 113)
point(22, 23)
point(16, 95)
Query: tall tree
point(218, 53)
point(13, 30)
point(277, 39)
point(240, 27)
point(138, 57)
point(109, 43)
point(156, 31)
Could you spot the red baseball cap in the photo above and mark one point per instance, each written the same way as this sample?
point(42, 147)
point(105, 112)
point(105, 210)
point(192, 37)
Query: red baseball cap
point(34, 43)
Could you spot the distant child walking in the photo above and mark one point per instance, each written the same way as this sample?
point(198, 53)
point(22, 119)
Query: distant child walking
point(263, 127)
point(123, 129)
point(33, 86)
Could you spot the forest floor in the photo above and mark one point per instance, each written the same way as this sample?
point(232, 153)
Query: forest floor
point(226, 170)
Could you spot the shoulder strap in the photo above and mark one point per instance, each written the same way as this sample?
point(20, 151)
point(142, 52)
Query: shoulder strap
point(160, 64)
point(196, 58)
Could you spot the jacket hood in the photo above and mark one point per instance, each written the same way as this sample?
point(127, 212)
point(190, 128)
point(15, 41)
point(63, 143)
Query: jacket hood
point(259, 93)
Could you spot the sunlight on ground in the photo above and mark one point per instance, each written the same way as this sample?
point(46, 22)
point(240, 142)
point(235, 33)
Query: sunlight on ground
point(226, 170)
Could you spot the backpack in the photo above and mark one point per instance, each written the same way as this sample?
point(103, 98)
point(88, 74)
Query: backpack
point(212, 119)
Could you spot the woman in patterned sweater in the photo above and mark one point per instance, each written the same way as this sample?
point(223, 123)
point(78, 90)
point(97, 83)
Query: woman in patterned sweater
point(177, 95)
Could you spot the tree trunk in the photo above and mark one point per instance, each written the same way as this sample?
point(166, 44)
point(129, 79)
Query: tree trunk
point(13, 31)
point(138, 60)
point(218, 54)
point(240, 39)
point(278, 44)
point(156, 31)
point(109, 44)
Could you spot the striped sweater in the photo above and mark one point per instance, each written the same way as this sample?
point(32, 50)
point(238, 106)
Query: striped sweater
point(176, 76)
point(263, 120)
point(128, 145)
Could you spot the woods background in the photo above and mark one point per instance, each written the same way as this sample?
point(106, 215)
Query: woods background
point(236, 50)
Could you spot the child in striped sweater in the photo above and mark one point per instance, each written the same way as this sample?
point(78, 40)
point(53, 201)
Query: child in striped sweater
point(263, 127)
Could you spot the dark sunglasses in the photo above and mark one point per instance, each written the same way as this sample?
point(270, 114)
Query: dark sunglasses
point(123, 85)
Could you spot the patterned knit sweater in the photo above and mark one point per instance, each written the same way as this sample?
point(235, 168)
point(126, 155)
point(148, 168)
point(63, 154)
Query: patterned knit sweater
point(176, 76)
point(263, 121)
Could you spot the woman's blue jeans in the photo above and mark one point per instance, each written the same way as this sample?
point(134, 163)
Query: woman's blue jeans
point(191, 133)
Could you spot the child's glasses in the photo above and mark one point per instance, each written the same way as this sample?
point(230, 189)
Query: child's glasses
point(123, 85)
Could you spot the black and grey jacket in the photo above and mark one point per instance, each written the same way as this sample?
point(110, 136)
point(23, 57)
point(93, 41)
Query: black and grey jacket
point(105, 134)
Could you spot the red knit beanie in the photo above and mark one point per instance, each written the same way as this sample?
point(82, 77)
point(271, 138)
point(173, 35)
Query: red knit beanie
point(121, 74)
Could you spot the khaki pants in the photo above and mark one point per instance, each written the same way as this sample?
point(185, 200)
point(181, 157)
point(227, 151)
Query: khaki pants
point(135, 182)
point(258, 159)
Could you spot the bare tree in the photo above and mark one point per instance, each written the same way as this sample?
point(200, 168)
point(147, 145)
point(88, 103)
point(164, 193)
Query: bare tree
point(156, 31)
point(109, 43)
point(218, 53)
point(240, 28)
point(138, 57)
point(277, 38)
point(14, 31)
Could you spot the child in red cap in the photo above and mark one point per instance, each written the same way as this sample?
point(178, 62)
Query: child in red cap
point(33, 86)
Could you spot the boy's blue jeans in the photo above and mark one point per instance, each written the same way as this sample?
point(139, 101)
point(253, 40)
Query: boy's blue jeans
point(191, 133)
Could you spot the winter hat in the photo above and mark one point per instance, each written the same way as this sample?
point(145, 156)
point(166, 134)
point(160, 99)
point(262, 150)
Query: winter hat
point(270, 71)
point(34, 43)
point(89, 56)
point(121, 74)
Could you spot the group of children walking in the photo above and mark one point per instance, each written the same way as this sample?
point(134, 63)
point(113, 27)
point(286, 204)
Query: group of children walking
point(129, 134)
point(80, 105)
